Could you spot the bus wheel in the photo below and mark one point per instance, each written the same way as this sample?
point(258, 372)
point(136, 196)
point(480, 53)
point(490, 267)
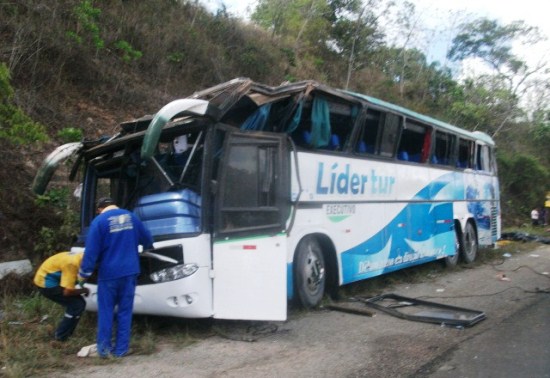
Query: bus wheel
point(452, 261)
point(469, 244)
point(309, 272)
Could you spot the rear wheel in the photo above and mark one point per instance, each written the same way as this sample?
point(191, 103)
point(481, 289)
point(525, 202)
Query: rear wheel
point(452, 261)
point(469, 244)
point(309, 272)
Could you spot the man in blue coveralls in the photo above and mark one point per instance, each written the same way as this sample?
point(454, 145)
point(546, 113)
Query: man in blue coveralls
point(112, 244)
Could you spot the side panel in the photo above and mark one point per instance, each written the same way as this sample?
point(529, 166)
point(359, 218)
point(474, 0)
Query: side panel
point(383, 216)
point(250, 279)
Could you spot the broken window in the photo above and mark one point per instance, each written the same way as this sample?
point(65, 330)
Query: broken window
point(414, 144)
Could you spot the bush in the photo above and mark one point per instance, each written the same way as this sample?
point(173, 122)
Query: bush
point(523, 183)
point(15, 126)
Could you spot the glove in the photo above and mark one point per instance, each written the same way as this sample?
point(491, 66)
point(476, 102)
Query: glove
point(80, 282)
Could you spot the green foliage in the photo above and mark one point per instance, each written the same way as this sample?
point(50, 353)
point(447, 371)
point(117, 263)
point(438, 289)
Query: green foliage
point(46, 244)
point(541, 129)
point(129, 54)
point(295, 20)
point(15, 126)
point(70, 134)
point(488, 40)
point(523, 183)
point(51, 240)
point(87, 17)
point(176, 57)
point(57, 197)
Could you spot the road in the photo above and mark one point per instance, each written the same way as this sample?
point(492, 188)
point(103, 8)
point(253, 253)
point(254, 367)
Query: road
point(511, 342)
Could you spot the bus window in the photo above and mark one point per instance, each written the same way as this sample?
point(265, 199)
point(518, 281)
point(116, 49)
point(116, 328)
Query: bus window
point(464, 154)
point(390, 133)
point(483, 162)
point(443, 152)
point(369, 132)
point(414, 144)
point(253, 166)
point(325, 124)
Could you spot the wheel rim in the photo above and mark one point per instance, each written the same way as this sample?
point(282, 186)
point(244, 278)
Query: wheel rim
point(314, 271)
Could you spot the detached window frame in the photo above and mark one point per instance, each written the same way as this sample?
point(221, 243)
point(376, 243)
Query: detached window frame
point(254, 191)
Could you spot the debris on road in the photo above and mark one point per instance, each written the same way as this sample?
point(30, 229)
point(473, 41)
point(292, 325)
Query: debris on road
point(425, 311)
point(350, 310)
point(524, 237)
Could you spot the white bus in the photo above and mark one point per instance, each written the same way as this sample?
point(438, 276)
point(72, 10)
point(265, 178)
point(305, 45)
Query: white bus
point(258, 195)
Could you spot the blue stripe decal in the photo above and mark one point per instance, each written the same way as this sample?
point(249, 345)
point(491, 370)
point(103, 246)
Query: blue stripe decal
point(419, 233)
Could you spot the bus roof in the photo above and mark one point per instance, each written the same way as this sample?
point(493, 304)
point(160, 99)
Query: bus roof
point(248, 87)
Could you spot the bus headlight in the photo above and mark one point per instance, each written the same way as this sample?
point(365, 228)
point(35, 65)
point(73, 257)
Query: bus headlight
point(174, 273)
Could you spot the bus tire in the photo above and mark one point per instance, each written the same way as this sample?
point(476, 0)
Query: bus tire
point(309, 272)
point(469, 245)
point(452, 261)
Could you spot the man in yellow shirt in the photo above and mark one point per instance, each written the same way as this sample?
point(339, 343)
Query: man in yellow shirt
point(56, 279)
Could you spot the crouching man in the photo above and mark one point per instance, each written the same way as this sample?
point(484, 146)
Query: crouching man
point(56, 279)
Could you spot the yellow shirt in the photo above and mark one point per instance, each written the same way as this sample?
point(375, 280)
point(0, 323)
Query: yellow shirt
point(60, 269)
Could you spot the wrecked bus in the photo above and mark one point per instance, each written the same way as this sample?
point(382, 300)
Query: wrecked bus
point(257, 195)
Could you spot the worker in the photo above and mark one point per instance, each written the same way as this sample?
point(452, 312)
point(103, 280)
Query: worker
point(56, 279)
point(112, 245)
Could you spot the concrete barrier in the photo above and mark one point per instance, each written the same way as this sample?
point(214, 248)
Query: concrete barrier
point(20, 267)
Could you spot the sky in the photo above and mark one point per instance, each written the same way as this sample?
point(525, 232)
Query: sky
point(534, 12)
point(435, 15)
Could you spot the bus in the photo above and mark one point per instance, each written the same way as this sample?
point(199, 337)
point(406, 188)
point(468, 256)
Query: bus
point(260, 195)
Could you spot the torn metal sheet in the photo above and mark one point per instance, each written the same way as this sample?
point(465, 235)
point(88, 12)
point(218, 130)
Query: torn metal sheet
point(425, 311)
point(350, 310)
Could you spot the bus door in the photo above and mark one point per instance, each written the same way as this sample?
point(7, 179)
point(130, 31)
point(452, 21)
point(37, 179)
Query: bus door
point(252, 203)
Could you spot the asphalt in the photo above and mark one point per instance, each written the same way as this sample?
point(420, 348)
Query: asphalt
point(517, 347)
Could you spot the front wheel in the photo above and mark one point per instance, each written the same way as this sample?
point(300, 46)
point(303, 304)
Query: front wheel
point(309, 272)
point(469, 244)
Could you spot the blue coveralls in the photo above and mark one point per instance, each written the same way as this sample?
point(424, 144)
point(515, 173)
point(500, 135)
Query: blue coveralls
point(112, 244)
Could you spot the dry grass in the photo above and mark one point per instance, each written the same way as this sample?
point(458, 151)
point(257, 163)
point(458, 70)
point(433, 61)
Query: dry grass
point(28, 321)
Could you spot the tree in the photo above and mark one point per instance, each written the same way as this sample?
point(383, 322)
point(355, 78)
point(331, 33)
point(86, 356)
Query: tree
point(356, 35)
point(15, 126)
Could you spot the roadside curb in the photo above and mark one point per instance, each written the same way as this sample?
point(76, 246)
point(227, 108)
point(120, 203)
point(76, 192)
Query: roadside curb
point(19, 267)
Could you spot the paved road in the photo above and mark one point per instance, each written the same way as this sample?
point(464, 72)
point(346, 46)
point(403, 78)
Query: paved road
point(511, 342)
point(517, 347)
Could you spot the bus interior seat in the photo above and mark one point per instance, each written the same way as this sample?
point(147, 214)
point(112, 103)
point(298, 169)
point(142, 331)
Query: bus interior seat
point(334, 142)
point(414, 157)
point(365, 148)
point(403, 155)
point(306, 137)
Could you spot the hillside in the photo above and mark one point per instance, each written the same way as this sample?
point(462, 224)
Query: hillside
point(86, 66)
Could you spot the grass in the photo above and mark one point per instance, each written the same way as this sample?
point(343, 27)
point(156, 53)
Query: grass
point(28, 320)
